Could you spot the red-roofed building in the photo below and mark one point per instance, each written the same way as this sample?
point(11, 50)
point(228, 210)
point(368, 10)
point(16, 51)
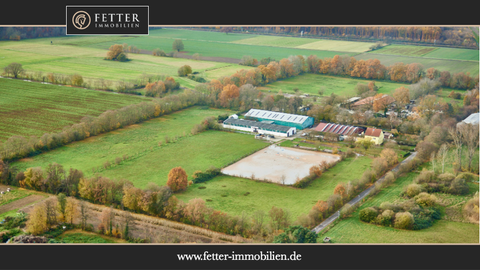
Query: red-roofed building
point(375, 134)
point(344, 130)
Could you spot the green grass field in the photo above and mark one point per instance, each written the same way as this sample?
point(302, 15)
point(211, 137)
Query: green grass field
point(70, 55)
point(220, 45)
point(32, 108)
point(265, 195)
point(440, 64)
point(77, 236)
point(429, 52)
point(406, 50)
point(451, 229)
point(311, 83)
point(148, 161)
point(352, 230)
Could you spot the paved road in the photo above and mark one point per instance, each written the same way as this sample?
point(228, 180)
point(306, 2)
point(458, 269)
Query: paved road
point(357, 199)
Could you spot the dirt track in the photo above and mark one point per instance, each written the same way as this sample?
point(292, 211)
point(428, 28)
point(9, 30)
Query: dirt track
point(18, 204)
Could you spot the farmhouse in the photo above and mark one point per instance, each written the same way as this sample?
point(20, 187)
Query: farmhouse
point(285, 119)
point(344, 130)
point(260, 127)
point(375, 134)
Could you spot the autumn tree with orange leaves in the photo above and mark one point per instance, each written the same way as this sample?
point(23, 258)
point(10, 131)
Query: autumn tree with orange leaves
point(229, 92)
point(401, 96)
point(380, 103)
point(177, 179)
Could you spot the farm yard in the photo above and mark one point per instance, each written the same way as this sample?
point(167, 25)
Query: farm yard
point(32, 109)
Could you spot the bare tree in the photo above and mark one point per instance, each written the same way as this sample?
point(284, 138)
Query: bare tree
point(84, 214)
point(15, 69)
point(458, 142)
point(283, 177)
point(432, 159)
point(258, 218)
point(127, 223)
point(443, 154)
point(470, 138)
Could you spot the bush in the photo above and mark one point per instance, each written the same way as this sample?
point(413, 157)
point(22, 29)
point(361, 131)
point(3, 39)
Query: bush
point(200, 177)
point(368, 214)
point(467, 176)
point(296, 234)
point(425, 176)
point(425, 218)
point(122, 57)
point(458, 187)
point(471, 209)
point(404, 220)
point(445, 178)
point(413, 190)
point(158, 52)
point(390, 206)
point(379, 166)
point(426, 200)
point(184, 70)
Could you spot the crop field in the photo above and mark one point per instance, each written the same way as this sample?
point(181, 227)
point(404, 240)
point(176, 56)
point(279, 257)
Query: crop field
point(454, 53)
point(338, 45)
point(150, 158)
point(430, 52)
point(311, 83)
point(234, 195)
point(306, 43)
point(451, 65)
point(219, 44)
point(32, 108)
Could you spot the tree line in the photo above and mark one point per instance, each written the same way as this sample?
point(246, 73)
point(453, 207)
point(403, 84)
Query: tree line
point(17, 147)
point(17, 33)
point(422, 34)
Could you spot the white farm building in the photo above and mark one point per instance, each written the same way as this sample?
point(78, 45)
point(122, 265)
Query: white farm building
point(260, 127)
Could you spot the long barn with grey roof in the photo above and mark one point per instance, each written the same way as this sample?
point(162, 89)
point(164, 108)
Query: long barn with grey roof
point(279, 118)
point(260, 127)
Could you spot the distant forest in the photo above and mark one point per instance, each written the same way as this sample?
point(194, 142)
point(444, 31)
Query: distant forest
point(453, 36)
point(18, 33)
point(450, 36)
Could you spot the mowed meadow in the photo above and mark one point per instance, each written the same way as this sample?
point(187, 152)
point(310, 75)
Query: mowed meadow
point(144, 153)
point(32, 108)
point(235, 195)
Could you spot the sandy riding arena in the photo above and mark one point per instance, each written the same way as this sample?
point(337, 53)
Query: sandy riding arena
point(275, 163)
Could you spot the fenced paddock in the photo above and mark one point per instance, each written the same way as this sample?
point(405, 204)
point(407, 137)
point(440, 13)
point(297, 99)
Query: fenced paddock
point(278, 164)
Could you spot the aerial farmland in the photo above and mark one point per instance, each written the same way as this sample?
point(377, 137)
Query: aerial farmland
point(210, 134)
